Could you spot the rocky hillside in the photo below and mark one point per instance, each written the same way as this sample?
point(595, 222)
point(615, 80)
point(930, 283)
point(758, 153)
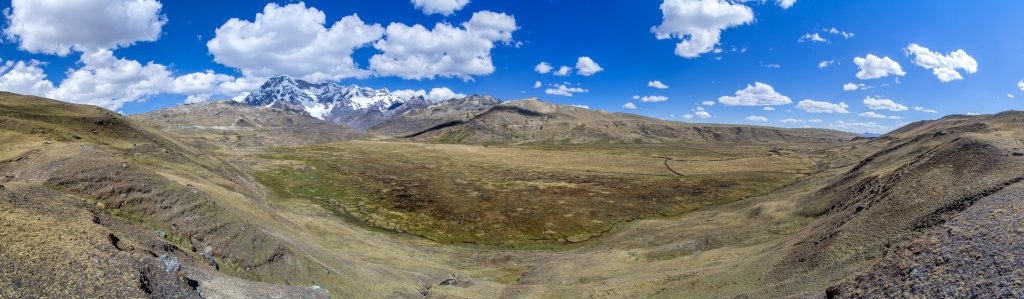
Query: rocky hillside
point(354, 106)
point(439, 114)
point(532, 120)
point(236, 125)
point(95, 205)
point(932, 213)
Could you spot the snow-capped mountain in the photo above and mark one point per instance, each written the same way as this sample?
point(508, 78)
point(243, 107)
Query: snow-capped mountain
point(358, 107)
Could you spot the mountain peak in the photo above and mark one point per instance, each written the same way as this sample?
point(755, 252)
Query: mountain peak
point(359, 107)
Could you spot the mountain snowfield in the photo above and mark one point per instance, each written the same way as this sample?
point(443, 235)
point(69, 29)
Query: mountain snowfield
point(359, 107)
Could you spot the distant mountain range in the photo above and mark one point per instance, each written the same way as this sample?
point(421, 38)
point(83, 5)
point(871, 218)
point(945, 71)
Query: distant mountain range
point(357, 107)
point(484, 119)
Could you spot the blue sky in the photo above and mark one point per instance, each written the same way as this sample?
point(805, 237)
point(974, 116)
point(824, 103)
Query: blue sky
point(617, 35)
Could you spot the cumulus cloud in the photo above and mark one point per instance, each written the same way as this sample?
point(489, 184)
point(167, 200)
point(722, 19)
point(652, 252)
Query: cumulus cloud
point(883, 104)
point(563, 71)
point(1020, 85)
point(759, 94)
point(537, 84)
point(922, 109)
point(415, 52)
point(101, 79)
point(872, 67)
point(657, 84)
point(756, 118)
point(24, 78)
point(786, 4)
point(60, 27)
point(702, 114)
point(813, 106)
point(768, 108)
point(653, 99)
point(708, 103)
point(699, 23)
point(587, 67)
point(844, 34)
point(812, 37)
point(943, 66)
point(872, 114)
point(202, 86)
point(542, 68)
point(107, 81)
point(791, 121)
point(825, 63)
point(860, 127)
point(441, 7)
point(293, 40)
point(629, 106)
point(854, 86)
point(438, 94)
point(563, 90)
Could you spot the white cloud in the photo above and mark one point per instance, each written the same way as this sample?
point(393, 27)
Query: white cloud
point(537, 84)
point(922, 109)
point(844, 34)
point(786, 4)
point(1020, 84)
point(825, 63)
point(415, 52)
point(687, 116)
point(768, 108)
point(815, 121)
point(563, 71)
point(771, 65)
point(563, 90)
point(438, 94)
point(629, 106)
point(872, 114)
point(943, 66)
point(24, 78)
point(587, 67)
point(813, 106)
point(1010, 95)
point(653, 99)
point(542, 68)
point(973, 113)
point(580, 106)
point(860, 127)
point(815, 37)
point(708, 103)
point(657, 84)
point(292, 40)
point(107, 81)
point(110, 82)
point(702, 114)
point(60, 27)
point(854, 86)
point(757, 118)
point(441, 7)
point(699, 23)
point(883, 104)
point(872, 67)
point(759, 94)
point(791, 121)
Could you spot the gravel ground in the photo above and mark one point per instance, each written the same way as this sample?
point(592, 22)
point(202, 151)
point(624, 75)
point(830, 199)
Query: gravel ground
point(978, 253)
